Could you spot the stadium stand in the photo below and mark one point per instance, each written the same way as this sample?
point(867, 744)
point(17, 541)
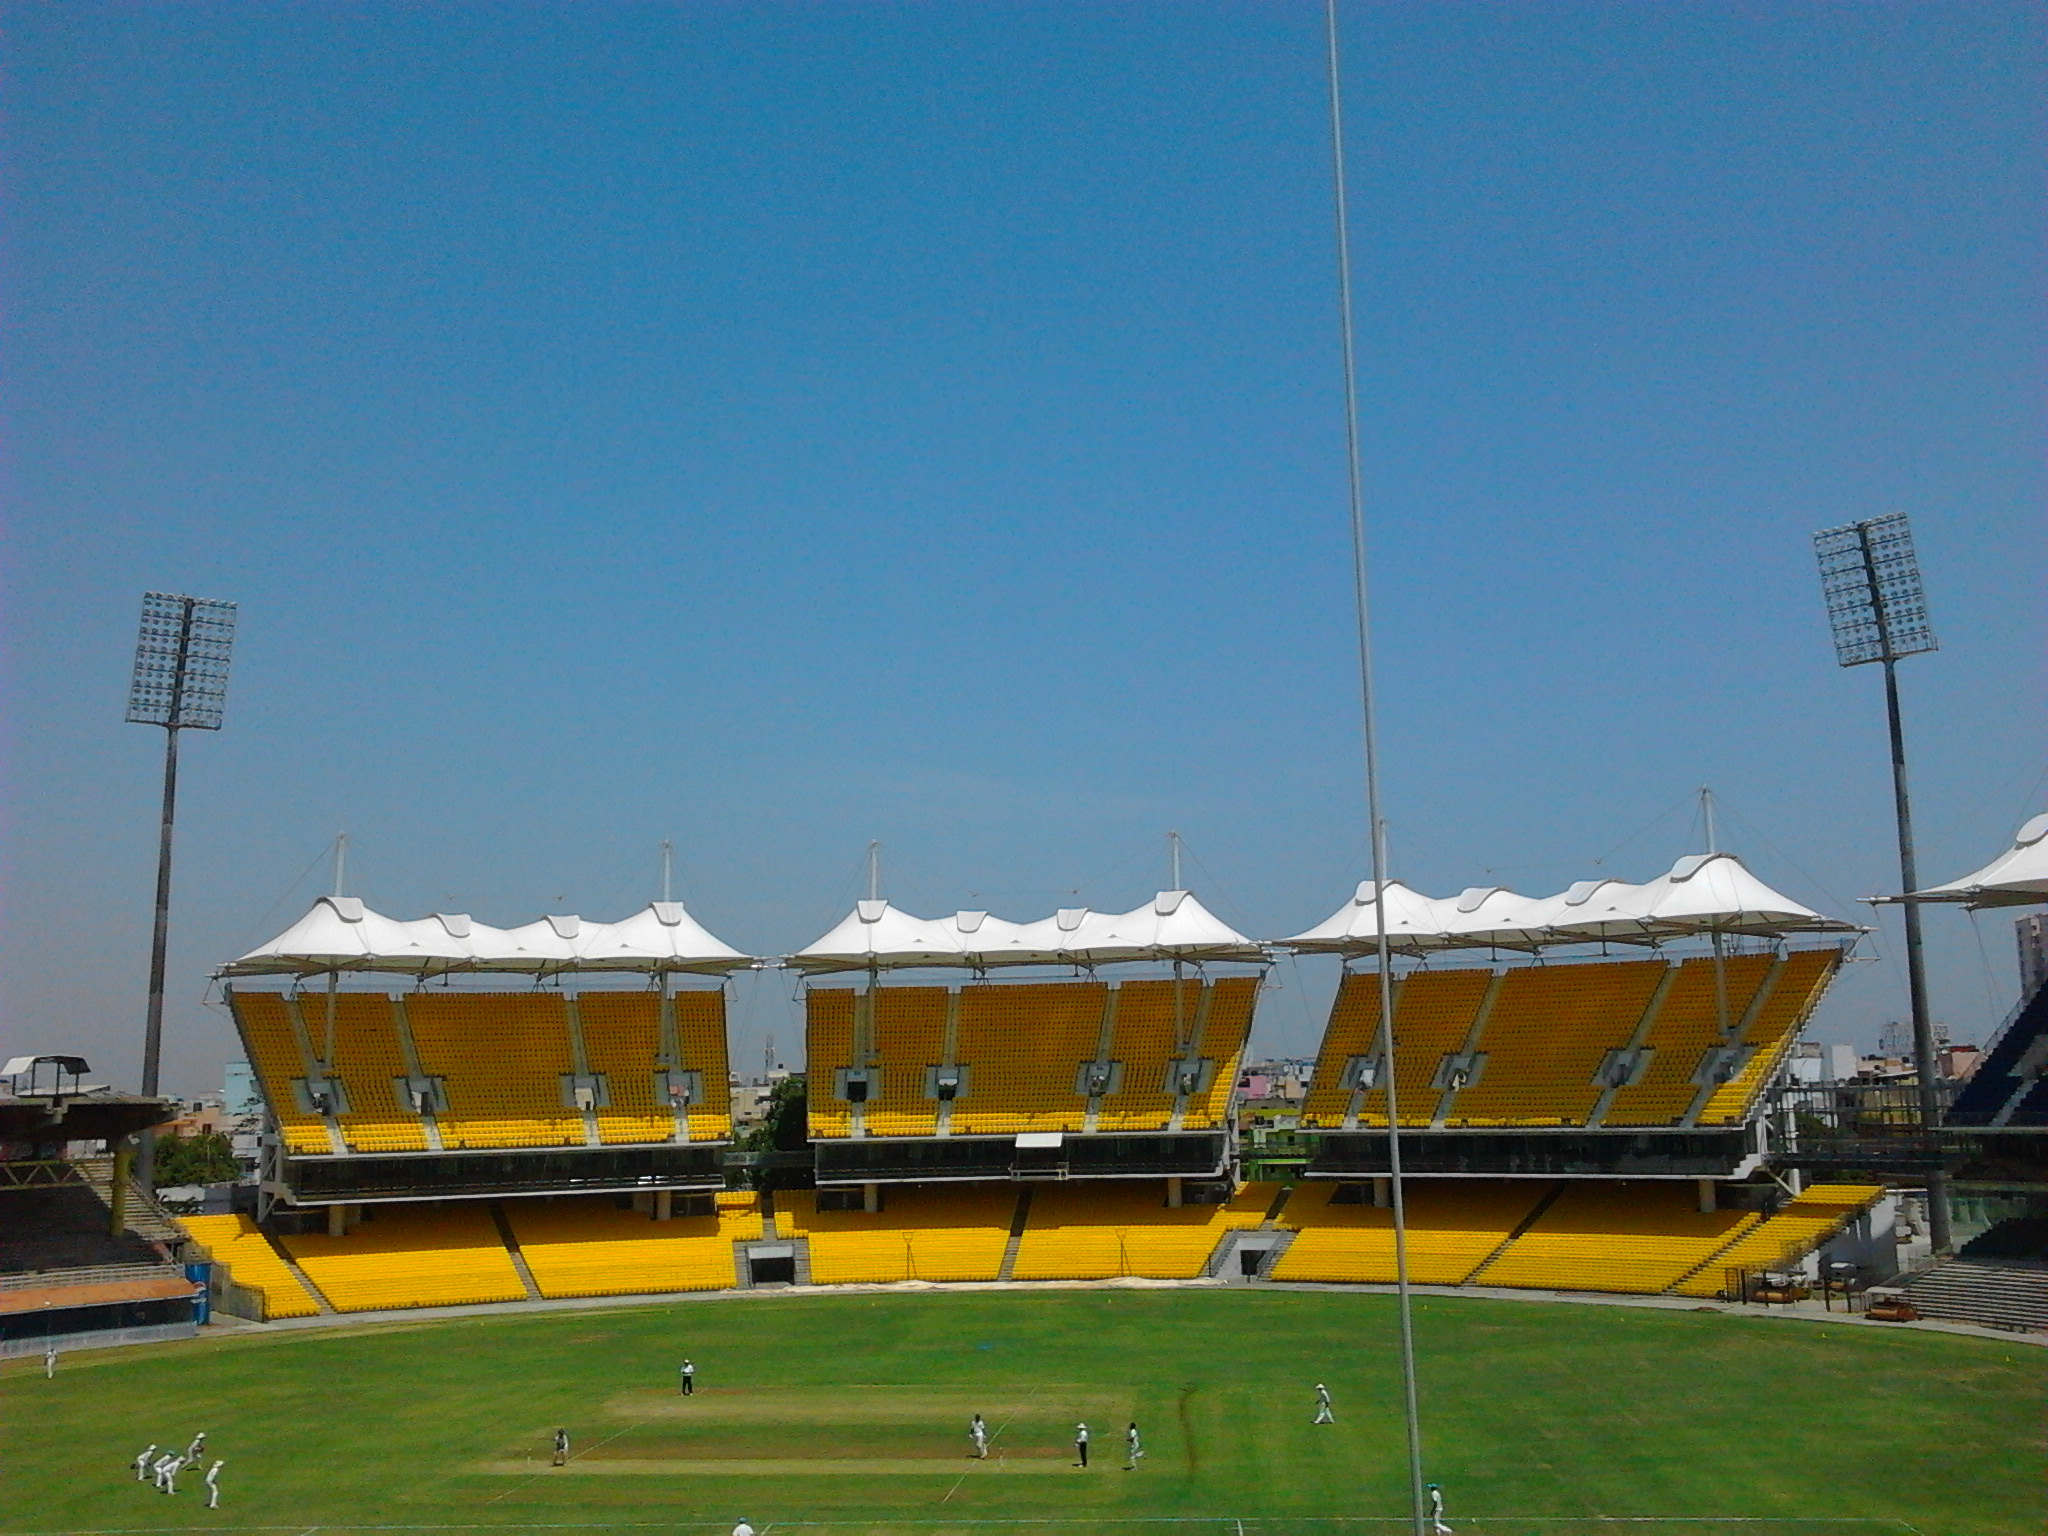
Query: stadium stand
point(1098, 1231)
point(1026, 1044)
point(587, 1245)
point(411, 1256)
point(923, 1232)
point(2009, 1089)
point(1153, 1021)
point(1687, 1025)
point(1453, 1225)
point(501, 1057)
point(828, 1048)
point(1544, 1039)
point(236, 1243)
point(1434, 1011)
point(367, 1059)
point(268, 1033)
point(909, 1033)
point(1781, 1240)
point(622, 1042)
point(1797, 987)
point(700, 1040)
point(1642, 1237)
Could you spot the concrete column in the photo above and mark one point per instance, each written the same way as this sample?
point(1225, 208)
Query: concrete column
point(1383, 1193)
point(117, 1191)
point(664, 1204)
point(871, 1197)
point(1173, 1198)
point(1709, 1195)
point(337, 1221)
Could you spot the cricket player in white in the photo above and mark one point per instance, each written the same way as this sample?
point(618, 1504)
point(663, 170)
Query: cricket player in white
point(49, 1362)
point(142, 1464)
point(1436, 1511)
point(195, 1450)
point(1081, 1445)
point(688, 1384)
point(167, 1473)
point(977, 1431)
point(213, 1485)
point(1134, 1448)
point(743, 1529)
point(1323, 1414)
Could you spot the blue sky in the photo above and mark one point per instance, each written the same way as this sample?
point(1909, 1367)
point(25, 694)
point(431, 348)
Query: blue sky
point(770, 427)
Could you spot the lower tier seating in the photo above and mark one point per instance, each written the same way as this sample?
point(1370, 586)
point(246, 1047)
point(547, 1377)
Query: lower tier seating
point(411, 1256)
point(1453, 1224)
point(1782, 1240)
point(585, 1245)
point(924, 1232)
point(236, 1244)
point(1099, 1231)
point(1616, 1236)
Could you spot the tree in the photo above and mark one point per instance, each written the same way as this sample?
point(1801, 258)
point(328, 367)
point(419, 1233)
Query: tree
point(208, 1158)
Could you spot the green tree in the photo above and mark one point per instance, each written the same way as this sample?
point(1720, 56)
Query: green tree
point(208, 1158)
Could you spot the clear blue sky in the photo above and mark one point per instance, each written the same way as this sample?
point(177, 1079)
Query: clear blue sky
point(774, 426)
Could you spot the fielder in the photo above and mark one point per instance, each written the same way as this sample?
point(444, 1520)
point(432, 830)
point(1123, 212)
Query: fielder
point(213, 1485)
point(977, 1431)
point(195, 1450)
point(1134, 1448)
point(1081, 1445)
point(1323, 1414)
point(743, 1529)
point(142, 1464)
point(49, 1362)
point(167, 1473)
point(1436, 1511)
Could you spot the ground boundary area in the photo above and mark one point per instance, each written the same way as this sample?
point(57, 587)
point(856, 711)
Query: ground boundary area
point(1180, 1525)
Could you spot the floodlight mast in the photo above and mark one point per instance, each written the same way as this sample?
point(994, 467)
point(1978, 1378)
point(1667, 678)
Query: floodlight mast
point(1877, 609)
point(180, 682)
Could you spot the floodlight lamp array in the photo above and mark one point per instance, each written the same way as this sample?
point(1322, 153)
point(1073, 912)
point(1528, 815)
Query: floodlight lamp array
point(181, 662)
point(1870, 581)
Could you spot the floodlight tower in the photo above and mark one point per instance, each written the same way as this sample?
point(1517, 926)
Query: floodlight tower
point(1877, 608)
point(180, 683)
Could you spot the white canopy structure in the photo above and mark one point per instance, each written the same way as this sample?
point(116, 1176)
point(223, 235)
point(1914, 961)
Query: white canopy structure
point(2018, 877)
point(1172, 926)
point(1701, 895)
point(341, 934)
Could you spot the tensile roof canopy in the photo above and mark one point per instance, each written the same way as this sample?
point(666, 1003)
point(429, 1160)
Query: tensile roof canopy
point(2018, 877)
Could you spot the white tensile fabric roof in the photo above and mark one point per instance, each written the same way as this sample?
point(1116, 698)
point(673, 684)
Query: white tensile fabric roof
point(1172, 926)
point(341, 934)
point(1701, 894)
point(2018, 877)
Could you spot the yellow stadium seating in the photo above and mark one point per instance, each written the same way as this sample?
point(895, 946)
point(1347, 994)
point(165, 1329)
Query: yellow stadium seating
point(909, 1035)
point(584, 1245)
point(622, 1040)
point(1688, 1023)
point(1782, 1240)
point(1433, 1013)
point(1805, 976)
point(234, 1243)
point(274, 1053)
point(1550, 1027)
point(411, 1256)
point(1153, 1020)
point(925, 1232)
point(1453, 1224)
point(1025, 1045)
point(828, 1046)
point(1616, 1237)
point(700, 1036)
point(367, 1056)
point(502, 1056)
point(1099, 1231)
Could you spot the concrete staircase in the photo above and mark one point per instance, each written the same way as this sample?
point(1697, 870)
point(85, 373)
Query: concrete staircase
point(1997, 1295)
point(145, 1217)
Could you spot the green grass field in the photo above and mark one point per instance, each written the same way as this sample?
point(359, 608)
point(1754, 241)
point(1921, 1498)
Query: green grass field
point(847, 1415)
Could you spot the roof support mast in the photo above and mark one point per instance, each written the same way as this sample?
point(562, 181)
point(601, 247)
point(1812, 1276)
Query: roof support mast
point(1375, 822)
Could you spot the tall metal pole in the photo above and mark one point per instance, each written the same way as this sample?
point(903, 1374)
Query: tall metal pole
point(1376, 823)
point(1938, 1231)
point(159, 946)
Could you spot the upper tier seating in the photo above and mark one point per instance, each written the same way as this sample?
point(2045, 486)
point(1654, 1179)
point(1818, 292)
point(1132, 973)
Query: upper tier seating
point(1453, 1224)
point(502, 1058)
point(235, 1242)
point(1539, 1036)
point(1548, 1031)
point(585, 1245)
point(411, 1256)
point(2009, 1087)
point(1023, 1048)
point(1095, 1231)
point(923, 1232)
point(1616, 1237)
point(1801, 1225)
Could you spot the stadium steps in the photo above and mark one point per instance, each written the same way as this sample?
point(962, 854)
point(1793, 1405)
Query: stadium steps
point(146, 1219)
point(284, 1257)
point(1996, 1295)
point(1535, 1214)
point(511, 1241)
point(1020, 1219)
